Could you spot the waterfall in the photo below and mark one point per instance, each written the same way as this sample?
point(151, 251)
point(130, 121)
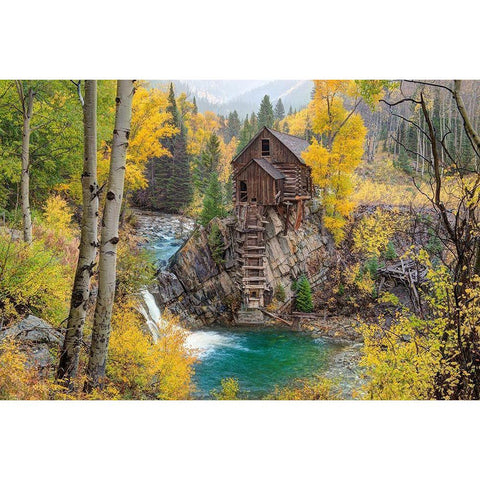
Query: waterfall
point(202, 342)
point(152, 314)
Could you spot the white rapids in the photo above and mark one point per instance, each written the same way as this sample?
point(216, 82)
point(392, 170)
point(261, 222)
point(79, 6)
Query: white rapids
point(203, 343)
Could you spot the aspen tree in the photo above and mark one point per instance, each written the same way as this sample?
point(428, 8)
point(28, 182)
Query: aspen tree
point(109, 236)
point(26, 102)
point(69, 358)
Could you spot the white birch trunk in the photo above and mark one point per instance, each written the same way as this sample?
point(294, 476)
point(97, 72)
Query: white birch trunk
point(27, 110)
point(109, 237)
point(68, 365)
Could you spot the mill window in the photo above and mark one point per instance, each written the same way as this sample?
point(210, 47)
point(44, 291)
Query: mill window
point(265, 147)
point(243, 192)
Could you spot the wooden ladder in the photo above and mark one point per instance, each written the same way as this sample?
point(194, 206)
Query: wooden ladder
point(251, 255)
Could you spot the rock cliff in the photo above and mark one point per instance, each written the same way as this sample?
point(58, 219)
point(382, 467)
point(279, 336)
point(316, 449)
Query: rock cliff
point(203, 287)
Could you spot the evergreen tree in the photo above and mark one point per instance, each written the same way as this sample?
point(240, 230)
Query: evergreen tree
point(172, 106)
point(245, 135)
point(213, 201)
point(206, 164)
point(233, 126)
point(169, 177)
point(290, 110)
point(266, 116)
point(179, 186)
point(254, 124)
point(195, 108)
point(279, 110)
point(304, 301)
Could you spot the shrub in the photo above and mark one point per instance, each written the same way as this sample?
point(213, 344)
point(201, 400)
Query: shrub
point(135, 266)
point(279, 293)
point(216, 244)
point(229, 391)
point(319, 388)
point(372, 234)
point(371, 267)
point(390, 253)
point(139, 368)
point(57, 216)
point(33, 279)
point(304, 301)
point(21, 382)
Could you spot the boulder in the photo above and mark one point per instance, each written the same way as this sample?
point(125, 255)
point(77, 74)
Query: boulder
point(33, 329)
point(37, 339)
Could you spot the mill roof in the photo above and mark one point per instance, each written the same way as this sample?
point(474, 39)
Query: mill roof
point(295, 144)
point(266, 166)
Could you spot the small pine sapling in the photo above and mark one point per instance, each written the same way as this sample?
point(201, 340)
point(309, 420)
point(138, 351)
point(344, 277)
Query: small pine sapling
point(304, 301)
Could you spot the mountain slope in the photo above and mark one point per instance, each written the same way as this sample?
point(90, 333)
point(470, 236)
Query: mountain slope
point(224, 96)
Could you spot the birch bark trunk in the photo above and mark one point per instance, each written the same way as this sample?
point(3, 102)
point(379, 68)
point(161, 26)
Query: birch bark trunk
point(109, 237)
point(27, 111)
point(69, 358)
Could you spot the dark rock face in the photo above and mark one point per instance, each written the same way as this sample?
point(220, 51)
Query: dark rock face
point(37, 338)
point(203, 292)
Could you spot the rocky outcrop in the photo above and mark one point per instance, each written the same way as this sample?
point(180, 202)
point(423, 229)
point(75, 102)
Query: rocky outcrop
point(37, 339)
point(204, 290)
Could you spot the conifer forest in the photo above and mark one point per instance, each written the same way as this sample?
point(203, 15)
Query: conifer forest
point(239, 240)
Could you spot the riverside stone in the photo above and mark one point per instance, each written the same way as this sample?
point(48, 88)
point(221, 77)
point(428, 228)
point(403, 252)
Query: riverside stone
point(37, 340)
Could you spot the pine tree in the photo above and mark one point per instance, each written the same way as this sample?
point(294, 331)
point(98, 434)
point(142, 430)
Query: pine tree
point(206, 164)
point(290, 110)
point(213, 201)
point(254, 127)
point(195, 108)
point(304, 301)
point(245, 135)
point(265, 114)
point(172, 106)
point(233, 126)
point(279, 110)
point(179, 186)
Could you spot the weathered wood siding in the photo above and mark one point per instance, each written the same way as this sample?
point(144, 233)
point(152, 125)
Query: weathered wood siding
point(279, 153)
point(297, 175)
point(260, 185)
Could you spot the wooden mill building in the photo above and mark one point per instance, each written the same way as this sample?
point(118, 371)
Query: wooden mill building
point(268, 172)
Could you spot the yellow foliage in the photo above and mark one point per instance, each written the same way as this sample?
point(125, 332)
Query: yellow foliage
point(319, 388)
point(387, 297)
point(335, 157)
point(34, 278)
point(139, 368)
point(359, 277)
point(373, 232)
point(370, 192)
point(401, 364)
point(229, 391)
point(58, 216)
point(150, 124)
point(404, 360)
point(297, 123)
point(227, 152)
point(199, 129)
point(20, 382)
